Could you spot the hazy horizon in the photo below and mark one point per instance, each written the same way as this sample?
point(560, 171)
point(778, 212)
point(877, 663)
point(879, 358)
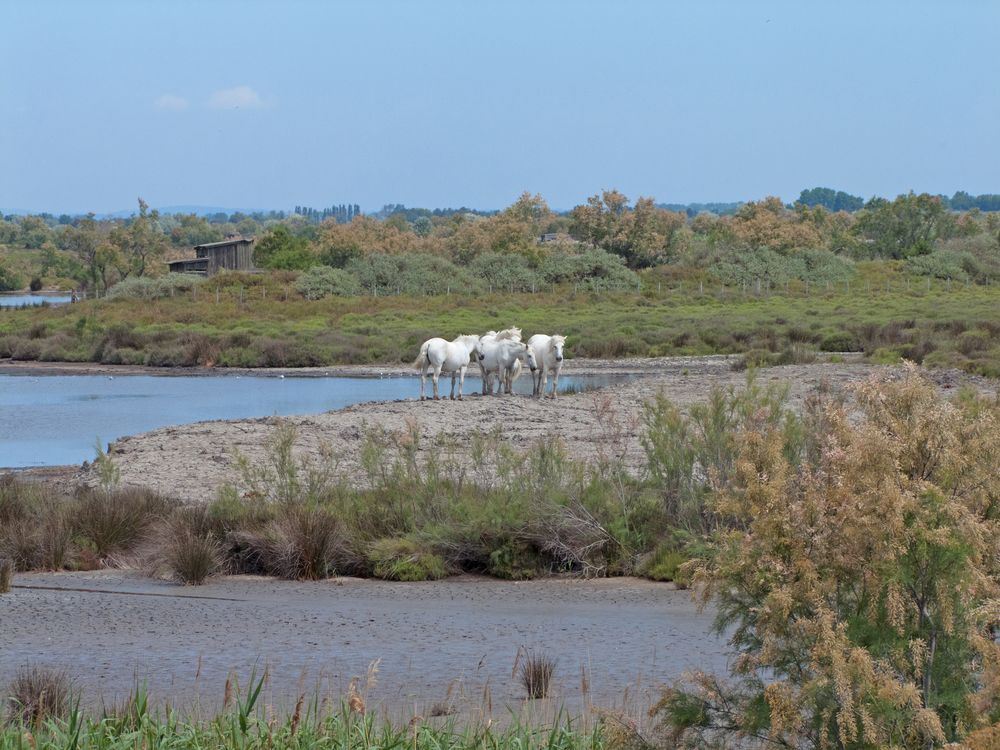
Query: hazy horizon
point(446, 104)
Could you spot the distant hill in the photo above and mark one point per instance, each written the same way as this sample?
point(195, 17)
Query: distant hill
point(198, 210)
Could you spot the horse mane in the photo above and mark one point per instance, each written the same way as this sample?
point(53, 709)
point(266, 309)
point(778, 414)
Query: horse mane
point(556, 339)
point(512, 333)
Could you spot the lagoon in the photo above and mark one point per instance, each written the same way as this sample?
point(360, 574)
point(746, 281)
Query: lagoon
point(53, 420)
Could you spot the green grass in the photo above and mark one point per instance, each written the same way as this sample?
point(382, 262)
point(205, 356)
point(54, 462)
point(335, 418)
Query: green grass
point(245, 727)
point(883, 309)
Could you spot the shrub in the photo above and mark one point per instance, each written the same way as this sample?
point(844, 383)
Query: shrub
point(664, 563)
point(900, 482)
point(944, 264)
point(514, 562)
point(35, 284)
point(413, 274)
point(148, 287)
point(405, 560)
point(38, 694)
point(504, 271)
point(324, 281)
point(839, 342)
point(592, 268)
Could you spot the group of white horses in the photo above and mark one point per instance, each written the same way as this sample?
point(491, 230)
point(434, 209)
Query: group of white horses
point(501, 355)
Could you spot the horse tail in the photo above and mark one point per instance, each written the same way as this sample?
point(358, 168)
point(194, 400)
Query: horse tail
point(422, 358)
point(515, 370)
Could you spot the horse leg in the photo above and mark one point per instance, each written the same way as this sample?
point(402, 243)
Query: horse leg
point(555, 382)
point(545, 382)
point(423, 378)
point(452, 397)
point(461, 382)
point(435, 377)
point(486, 378)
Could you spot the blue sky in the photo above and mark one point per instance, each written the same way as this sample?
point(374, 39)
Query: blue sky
point(252, 104)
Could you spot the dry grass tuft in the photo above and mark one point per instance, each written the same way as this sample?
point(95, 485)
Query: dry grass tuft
point(115, 522)
point(6, 573)
point(535, 673)
point(39, 693)
point(186, 548)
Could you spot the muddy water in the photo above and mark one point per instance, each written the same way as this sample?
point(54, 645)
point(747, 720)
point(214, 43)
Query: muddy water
point(460, 635)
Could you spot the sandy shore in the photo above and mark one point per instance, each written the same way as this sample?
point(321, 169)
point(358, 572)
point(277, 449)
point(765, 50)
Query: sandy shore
point(109, 628)
point(191, 462)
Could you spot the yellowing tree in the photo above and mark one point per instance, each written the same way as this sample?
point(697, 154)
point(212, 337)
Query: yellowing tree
point(858, 585)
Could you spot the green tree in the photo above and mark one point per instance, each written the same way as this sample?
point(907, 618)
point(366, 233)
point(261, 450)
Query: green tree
point(423, 226)
point(833, 200)
point(9, 281)
point(906, 226)
point(139, 243)
point(279, 248)
point(34, 232)
point(83, 242)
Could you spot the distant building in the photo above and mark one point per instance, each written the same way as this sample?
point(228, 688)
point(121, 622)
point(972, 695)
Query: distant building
point(233, 254)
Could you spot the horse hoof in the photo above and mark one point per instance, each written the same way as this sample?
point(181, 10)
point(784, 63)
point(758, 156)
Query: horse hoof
point(459, 398)
point(437, 398)
point(423, 398)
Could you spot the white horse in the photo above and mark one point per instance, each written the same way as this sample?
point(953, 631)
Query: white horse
point(503, 357)
point(445, 356)
point(489, 338)
point(548, 352)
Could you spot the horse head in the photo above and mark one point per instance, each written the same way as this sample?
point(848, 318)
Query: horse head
point(556, 346)
point(529, 357)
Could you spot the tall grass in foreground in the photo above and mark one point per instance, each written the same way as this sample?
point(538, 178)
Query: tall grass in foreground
point(245, 723)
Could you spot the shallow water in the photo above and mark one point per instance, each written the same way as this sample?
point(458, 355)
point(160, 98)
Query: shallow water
point(51, 420)
point(32, 300)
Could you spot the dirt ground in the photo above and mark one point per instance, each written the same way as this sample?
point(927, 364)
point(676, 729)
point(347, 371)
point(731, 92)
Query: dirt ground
point(451, 642)
point(191, 462)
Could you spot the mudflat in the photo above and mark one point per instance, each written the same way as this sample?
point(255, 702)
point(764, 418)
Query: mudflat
point(452, 643)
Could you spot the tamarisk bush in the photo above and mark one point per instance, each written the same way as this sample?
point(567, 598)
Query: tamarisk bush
point(857, 582)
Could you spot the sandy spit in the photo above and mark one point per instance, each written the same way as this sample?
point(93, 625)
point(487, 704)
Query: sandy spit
point(191, 462)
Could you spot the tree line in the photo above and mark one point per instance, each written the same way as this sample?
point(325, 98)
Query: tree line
point(763, 241)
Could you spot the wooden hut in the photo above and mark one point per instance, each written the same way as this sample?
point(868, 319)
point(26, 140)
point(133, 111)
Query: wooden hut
point(233, 254)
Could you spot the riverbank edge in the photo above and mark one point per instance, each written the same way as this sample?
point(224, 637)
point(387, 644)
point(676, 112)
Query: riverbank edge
point(628, 365)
